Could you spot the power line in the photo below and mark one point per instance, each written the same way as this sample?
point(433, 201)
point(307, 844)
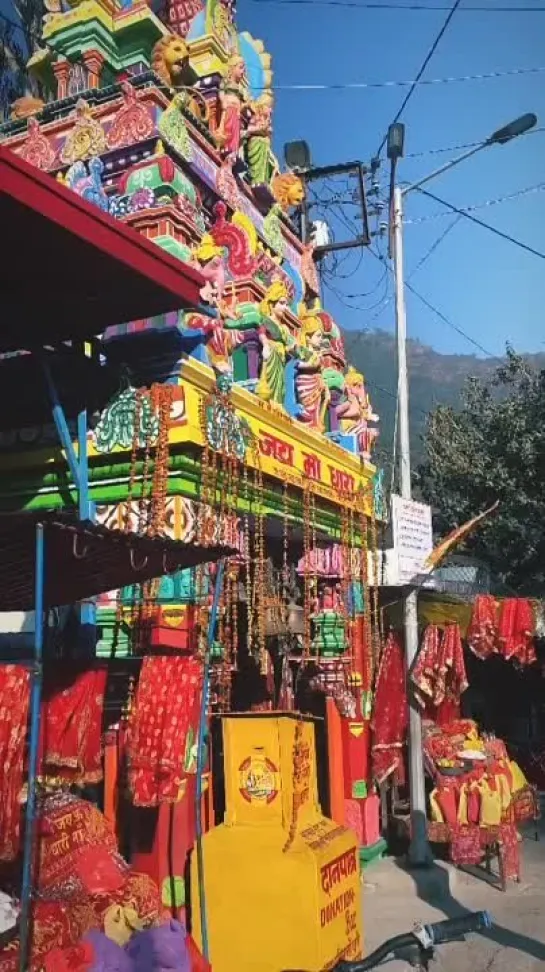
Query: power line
point(357, 85)
point(530, 190)
point(434, 246)
point(449, 323)
point(411, 7)
point(423, 67)
point(480, 222)
point(462, 146)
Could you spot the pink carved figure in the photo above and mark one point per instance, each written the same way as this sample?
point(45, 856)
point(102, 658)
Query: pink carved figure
point(208, 259)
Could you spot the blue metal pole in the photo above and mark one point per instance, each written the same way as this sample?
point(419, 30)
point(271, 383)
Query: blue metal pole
point(62, 426)
point(87, 613)
point(35, 719)
point(203, 725)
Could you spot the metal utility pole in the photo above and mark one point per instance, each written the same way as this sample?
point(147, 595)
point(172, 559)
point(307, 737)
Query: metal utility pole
point(419, 850)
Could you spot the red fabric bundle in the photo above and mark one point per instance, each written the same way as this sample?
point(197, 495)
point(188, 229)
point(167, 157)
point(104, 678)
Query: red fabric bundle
point(70, 744)
point(78, 958)
point(391, 714)
point(465, 847)
point(77, 850)
point(482, 631)
point(163, 728)
point(427, 663)
point(516, 630)
point(509, 851)
point(439, 674)
point(14, 701)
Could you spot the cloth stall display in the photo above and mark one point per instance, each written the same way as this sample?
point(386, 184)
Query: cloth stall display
point(516, 629)
point(82, 884)
point(391, 714)
point(14, 702)
point(480, 796)
point(439, 673)
point(163, 729)
point(505, 628)
point(70, 742)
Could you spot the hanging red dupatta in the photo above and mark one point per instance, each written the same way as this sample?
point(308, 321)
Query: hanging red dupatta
point(14, 703)
point(70, 742)
point(163, 727)
point(391, 714)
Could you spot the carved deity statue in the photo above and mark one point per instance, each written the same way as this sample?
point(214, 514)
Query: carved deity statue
point(208, 258)
point(355, 413)
point(277, 343)
point(233, 100)
point(312, 391)
point(262, 164)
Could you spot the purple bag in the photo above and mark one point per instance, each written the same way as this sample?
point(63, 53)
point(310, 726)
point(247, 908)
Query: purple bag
point(161, 949)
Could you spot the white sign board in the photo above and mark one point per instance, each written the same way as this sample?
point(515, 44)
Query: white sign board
point(413, 537)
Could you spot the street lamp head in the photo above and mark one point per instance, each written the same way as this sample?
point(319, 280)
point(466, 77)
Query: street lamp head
point(515, 128)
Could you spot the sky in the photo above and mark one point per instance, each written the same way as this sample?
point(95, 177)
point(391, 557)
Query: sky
point(484, 286)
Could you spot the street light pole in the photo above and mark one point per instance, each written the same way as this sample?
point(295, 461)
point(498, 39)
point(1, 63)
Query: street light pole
point(419, 850)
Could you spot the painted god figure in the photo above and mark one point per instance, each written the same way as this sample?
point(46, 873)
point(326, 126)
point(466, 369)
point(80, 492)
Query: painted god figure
point(277, 343)
point(262, 165)
point(312, 390)
point(355, 413)
point(233, 100)
point(208, 259)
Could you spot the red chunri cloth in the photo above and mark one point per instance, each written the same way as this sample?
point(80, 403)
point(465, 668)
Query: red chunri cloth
point(516, 630)
point(439, 673)
point(163, 728)
point(391, 714)
point(482, 631)
point(70, 744)
point(14, 702)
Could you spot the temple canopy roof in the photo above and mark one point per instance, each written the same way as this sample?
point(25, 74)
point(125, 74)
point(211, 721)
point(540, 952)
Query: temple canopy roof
point(76, 270)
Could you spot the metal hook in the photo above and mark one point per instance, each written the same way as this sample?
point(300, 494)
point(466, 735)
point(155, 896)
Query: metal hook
point(133, 565)
point(83, 554)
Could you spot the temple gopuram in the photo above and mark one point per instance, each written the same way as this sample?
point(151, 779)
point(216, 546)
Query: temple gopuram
point(232, 700)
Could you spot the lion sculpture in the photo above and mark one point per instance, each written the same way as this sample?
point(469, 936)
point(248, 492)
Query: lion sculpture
point(288, 190)
point(170, 62)
point(25, 107)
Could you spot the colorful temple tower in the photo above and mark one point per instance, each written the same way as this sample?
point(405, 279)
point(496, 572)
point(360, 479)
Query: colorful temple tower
point(239, 420)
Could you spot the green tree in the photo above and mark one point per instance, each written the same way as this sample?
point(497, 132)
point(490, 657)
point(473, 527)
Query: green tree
point(494, 448)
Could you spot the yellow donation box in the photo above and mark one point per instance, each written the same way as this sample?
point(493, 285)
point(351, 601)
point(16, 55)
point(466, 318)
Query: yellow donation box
point(282, 881)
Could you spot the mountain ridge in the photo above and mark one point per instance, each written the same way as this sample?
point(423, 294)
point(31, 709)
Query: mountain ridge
point(434, 379)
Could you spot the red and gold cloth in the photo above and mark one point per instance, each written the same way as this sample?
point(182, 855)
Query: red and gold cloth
point(70, 742)
point(516, 630)
point(14, 703)
point(391, 714)
point(163, 729)
point(439, 673)
point(483, 627)
point(77, 850)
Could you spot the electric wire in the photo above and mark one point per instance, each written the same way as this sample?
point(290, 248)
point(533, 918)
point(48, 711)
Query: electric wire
point(480, 222)
point(443, 317)
point(530, 190)
point(464, 145)
point(423, 67)
point(369, 85)
point(410, 7)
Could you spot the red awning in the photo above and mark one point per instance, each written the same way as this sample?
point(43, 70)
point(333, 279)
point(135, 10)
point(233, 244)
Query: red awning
point(69, 271)
point(84, 559)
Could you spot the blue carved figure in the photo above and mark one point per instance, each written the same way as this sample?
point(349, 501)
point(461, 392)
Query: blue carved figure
point(87, 182)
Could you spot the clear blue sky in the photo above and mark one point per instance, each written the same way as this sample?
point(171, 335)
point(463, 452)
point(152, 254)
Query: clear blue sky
point(485, 286)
